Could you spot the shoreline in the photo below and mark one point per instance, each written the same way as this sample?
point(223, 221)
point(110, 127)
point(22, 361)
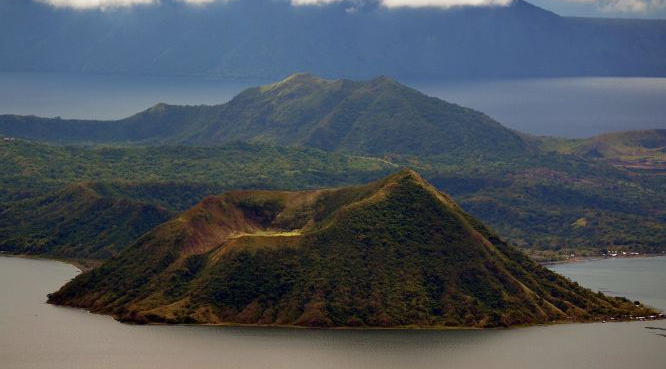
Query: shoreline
point(83, 265)
point(585, 259)
point(660, 317)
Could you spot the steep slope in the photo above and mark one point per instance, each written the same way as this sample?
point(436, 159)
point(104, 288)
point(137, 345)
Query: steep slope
point(355, 38)
point(377, 117)
point(395, 252)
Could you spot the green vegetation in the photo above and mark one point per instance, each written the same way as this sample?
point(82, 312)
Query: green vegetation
point(46, 209)
point(394, 253)
point(80, 221)
point(533, 201)
point(530, 190)
point(372, 117)
point(636, 150)
point(28, 168)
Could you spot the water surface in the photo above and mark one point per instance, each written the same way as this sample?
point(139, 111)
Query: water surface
point(85, 96)
point(638, 278)
point(565, 107)
point(36, 335)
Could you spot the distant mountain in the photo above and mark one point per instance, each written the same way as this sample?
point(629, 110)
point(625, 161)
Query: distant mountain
point(376, 117)
point(395, 252)
point(354, 39)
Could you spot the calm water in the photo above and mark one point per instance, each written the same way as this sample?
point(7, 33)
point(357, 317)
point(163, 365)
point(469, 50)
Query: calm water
point(566, 107)
point(640, 279)
point(107, 97)
point(570, 107)
point(36, 335)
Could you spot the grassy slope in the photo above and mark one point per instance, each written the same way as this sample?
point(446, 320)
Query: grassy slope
point(395, 252)
point(639, 150)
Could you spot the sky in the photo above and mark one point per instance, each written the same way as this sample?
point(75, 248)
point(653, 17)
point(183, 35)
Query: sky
point(595, 8)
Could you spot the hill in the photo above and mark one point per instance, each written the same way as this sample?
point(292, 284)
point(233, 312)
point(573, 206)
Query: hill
point(80, 202)
point(77, 222)
point(637, 150)
point(356, 39)
point(552, 204)
point(375, 117)
point(393, 253)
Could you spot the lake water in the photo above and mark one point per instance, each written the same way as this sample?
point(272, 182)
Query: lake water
point(36, 335)
point(568, 107)
point(565, 107)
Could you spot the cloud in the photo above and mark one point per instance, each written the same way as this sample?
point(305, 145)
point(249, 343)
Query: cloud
point(625, 6)
point(201, 2)
point(313, 2)
point(607, 6)
point(414, 3)
point(633, 6)
point(104, 4)
point(94, 4)
point(110, 4)
point(443, 3)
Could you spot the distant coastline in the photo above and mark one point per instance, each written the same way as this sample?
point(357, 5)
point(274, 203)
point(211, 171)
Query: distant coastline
point(584, 259)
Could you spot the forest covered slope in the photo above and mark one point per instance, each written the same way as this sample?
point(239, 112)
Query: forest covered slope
point(393, 253)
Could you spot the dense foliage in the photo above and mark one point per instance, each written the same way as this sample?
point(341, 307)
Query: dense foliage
point(395, 252)
point(46, 209)
point(561, 203)
point(550, 202)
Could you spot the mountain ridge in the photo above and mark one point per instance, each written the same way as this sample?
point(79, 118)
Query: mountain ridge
point(375, 117)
